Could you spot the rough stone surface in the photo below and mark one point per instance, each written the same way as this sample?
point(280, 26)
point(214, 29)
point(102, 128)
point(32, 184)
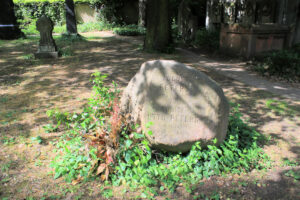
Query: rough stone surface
point(47, 47)
point(84, 13)
point(184, 105)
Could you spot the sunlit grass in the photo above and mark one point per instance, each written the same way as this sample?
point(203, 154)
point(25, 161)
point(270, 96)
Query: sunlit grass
point(280, 107)
point(85, 27)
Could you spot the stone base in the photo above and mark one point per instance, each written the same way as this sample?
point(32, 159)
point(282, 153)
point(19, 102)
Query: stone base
point(42, 55)
point(252, 40)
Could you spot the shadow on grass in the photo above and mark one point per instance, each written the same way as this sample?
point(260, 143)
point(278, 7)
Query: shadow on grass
point(28, 83)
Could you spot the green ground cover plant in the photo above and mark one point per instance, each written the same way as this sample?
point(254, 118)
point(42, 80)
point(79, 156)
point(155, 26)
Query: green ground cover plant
point(30, 29)
point(294, 174)
point(98, 142)
point(130, 30)
point(207, 39)
point(279, 107)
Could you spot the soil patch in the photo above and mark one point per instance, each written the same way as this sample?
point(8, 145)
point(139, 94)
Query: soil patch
point(28, 88)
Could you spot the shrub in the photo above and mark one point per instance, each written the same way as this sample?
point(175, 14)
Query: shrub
point(29, 10)
point(81, 28)
point(283, 63)
point(207, 39)
point(130, 30)
point(137, 164)
point(123, 156)
point(74, 161)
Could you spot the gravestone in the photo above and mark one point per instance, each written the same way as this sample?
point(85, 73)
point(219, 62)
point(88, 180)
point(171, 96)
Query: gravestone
point(184, 105)
point(47, 47)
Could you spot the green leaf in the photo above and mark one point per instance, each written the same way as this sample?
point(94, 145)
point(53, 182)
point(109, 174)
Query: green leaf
point(128, 143)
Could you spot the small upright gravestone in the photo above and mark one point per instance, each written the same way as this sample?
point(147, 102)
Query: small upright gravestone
point(47, 47)
point(183, 103)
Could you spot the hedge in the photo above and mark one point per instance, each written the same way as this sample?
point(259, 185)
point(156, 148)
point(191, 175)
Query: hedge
point(28, 11)
point(50, 1)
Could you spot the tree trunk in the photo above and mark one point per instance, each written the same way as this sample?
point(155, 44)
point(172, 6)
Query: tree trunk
point(70, 17)
point(187, 22)
point(158, 35)
point(9, 28)
point(142, 12)
point(236, 11)
point(296, 38)
point(209, 15)
point(280, 11)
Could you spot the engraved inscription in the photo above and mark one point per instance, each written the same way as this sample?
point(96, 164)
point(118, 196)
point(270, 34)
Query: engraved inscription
point(182, 118)
point(183, 103)
point(175, 114)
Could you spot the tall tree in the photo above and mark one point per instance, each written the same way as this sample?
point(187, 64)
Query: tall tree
point(70, 17)
point(296, 38)
point(9, 28)
point(158, 35)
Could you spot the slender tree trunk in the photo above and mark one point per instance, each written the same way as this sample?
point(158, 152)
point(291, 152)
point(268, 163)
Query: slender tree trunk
point(296, 38)
point(236, 11)
point(158, 35)
point(209, 15)
point(9, 28)
point(142, 12)
point(70, 17)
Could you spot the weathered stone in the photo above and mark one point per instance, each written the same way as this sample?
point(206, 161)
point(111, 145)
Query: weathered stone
point(85, 13)
point(47, 47)
point(184, 105)
point(253, 40)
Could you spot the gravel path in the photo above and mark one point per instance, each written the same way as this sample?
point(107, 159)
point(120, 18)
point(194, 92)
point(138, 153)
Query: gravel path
point(237, 72)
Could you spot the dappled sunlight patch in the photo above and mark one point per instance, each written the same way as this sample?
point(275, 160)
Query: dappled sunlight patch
point(69, 91)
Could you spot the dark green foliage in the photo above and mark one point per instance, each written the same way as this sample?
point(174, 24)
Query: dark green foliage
point(27, 13)
point(294, 174)
point(108, 10)
point(74, 160)
point(207, 39)
point(284, 64)
point(139, 165)
point(130, 30)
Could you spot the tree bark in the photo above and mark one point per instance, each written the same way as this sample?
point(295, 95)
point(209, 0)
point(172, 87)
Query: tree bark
point(158, 35)
point(209, 15)
point(9, 28)
point(70, 17)
point(142, 12)
point(296, 38)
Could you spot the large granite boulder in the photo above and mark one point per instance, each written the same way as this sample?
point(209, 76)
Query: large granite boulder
point(183, 103)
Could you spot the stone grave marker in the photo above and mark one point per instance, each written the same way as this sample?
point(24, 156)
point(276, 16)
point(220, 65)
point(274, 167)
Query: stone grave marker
point(184, 104)
point(47, 47)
